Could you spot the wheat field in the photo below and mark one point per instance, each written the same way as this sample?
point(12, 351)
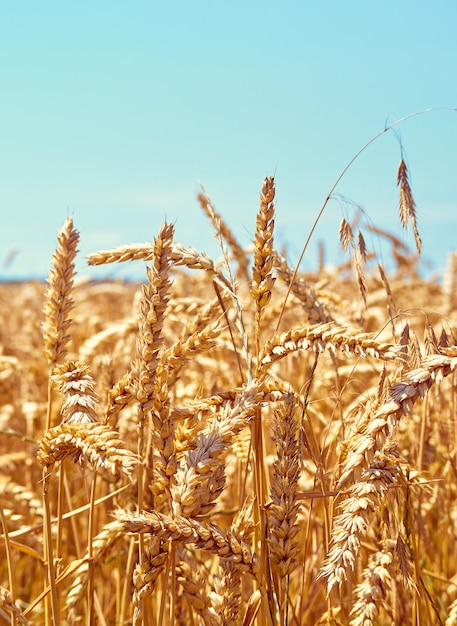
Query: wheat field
point(231, 441)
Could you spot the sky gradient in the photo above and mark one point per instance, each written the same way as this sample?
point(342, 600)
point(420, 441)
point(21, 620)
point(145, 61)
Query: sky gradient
point(114, 112)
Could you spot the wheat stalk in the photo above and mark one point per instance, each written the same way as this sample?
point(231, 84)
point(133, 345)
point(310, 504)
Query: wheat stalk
point(102, 546)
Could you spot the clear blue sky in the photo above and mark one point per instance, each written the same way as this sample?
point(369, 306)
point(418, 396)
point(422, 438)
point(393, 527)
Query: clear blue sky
point(114, 111)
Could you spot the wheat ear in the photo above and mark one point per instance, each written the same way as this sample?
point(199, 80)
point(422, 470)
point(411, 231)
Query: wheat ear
point(407, 204)
point(119, 396)
point(73, 380)
point(203, 535)
point(226, 598)
point(320, 337)
point(7, 602)
point(200, 477)
point(218, 223)
point(371, 593)
point(181, 256)
point(181, 352)
point(55, 329)
point(150, 381)
point(383, 421)
point(302, 290)
point(102, 544)
point(92, 442)
point(262, 278)
point(58, 295)
point(350, 526)
point(193, 590)
point(282, 512)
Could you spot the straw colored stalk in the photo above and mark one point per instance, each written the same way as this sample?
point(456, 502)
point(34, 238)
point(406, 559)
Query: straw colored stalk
point(358, 509)
point(262, 277)
point(58, 295)
point(321, 337)
point(73, 380)
point(94, 443)
point(219, 225)
point(384, 420)
point(102, 546)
